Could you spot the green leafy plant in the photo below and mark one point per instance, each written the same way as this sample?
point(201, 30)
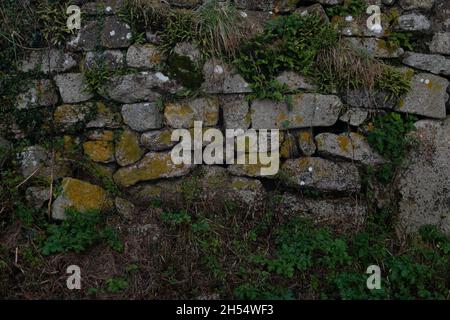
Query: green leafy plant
point(400, 40)
point(80, 231)
point(349, 7)
point(116, 284)
point(53, 20)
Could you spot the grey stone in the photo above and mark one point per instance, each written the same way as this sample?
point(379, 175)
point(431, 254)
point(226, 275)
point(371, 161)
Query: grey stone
point(306, 142)
point(125, 208)
point(322, 174)
point(142, 116)
point(145, 56)
point(440, 43)
point(413, 22)
point(183, 114)
point(138, 87)
point(352, 146)
point(220, 78)
point(362, 99)
point(115, 33)
point(158, 140)
point(235, 112)
point(427, 97)
point(36, 161)
point(425, 183)
point(68, 116)
point(72, 87)
point(88, 38)
point(315, 9)
point(307, 110)
point(188, 49)
point(355, 116)
point(345, 214)
point(41, 94)
point(37, 196)
point(295, 81)
point(48, 61)
point(108, 7)
point(105, 117)
point(433, 63)
point(110, 59)
point(425, 5)
point(379, 48)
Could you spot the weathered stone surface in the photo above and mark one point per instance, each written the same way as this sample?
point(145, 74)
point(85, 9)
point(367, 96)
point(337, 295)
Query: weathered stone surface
point(433, 63)
point(295, 81)
point(413, 22)
point(379, 48)
point(48, 61)
point(108, 7)
point(236, 113)
point(115, 33)
point(306, 142)
point(308, 110)
point(315, 9)
point(67, 116)
point(249, 193)
point(37, 196)
point(145, 56)
point(111, 59)
point(124, 207)
point(104, 117)
point(154, 165)
point(183, 114)
point(81, 196)
point(359, 98)
point(101, 135)
point(37, 161)
point(425, 5)
point(99, 151)
point(427, 97)
point(350, 26)
point(355, 116)
point(221, 78)
point(351, 146)
point(128, 150)
point(425, 183)
point(142, 116)
point(138, 87)
point(88, 38)
point(265, 5)
point(188, 49)
point(158, 140)
point(72, 88)
point(322, 174)
point(289, 148)
point(41, 94)
point(440, 43)
point(345, 214)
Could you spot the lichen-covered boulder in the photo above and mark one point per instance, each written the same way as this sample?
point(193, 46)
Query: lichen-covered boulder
point(424, 185)
point(72, 88)
point(142, 116)
point(236, 113)
point(306, 142)
point(379, 48)
point(37, 161)
point(321, 174)
point(104, 117)
point(68, 116)
point(48, 61)
point(183, 114)
point(307, 110)
point(154, 166)
point(42, 93)
point(99, 151)
point(425, 5)
point(145, 56)
point(158, 140)
point(128, 150)
point(352, 146)
point(221, 78)
point(115, 33)
point(433, 63)
point(81, 196)
point(413, 22)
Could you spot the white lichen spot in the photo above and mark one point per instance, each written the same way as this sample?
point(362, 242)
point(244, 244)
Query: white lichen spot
point(108, 9)
point(129, 35)
point(302, 183)
point(310, 169)
point(218, 69)
point(161, 77)
point(304, 13)
point(112, 33)
point(376, 28)
point(243, 14)
point(422, 80)
point(348, 18)
point(427, 81)
point(127, 26)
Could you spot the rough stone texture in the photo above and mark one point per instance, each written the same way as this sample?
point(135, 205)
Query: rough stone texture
point(81, 196)
point(351, 146)
point(115, 34)
point(99, 151)
point(107, 7)
point(425, 5)
point(440, 43)
point(158, 140)
point(363, 99)
point(183, 114)
point(289, 148)
point(308, 110)
point(48, 61)
point(413, 22)
point(138, 87)
point(37, 162)
point(350, 26)
point(68, 116)
point(425, 183)
point(154, 165)
point(354, 116)
point(128, 150)
point(306, 142)
point(72, 88)
point(236, 113)
point(433, 63)
point(5, 149)
point(41, 94)
point(295, 81)
point(104, 117)
point(315, 9)
point(427, 97)
point(188, 49)
point(145, 56)
point(379, 48)
point(221, 78)
point(124, 207)
point(322, 174)
point(37, 196)
point(142, 116)
point(344, 214)
point(111, 59)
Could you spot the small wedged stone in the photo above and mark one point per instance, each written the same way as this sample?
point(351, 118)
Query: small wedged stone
point(142, 116)
point(48, 61)
point(127, 149)
point(236, 113)
point(158, 140)
point(72, 88)
point(145, 56)
point(99, 151)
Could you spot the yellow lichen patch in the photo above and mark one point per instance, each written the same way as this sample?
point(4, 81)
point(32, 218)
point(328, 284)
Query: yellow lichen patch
point(83, 196)
point(105, 135)
point(165, 138)
point(243, 184)
point(99, 151)
point(344, 143)
point(305, 136)
point(282, 117)
point(286, 148)
point(128, 150)
point(298, 119)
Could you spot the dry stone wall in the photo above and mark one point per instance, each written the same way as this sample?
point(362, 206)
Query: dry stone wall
point(125, 132)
